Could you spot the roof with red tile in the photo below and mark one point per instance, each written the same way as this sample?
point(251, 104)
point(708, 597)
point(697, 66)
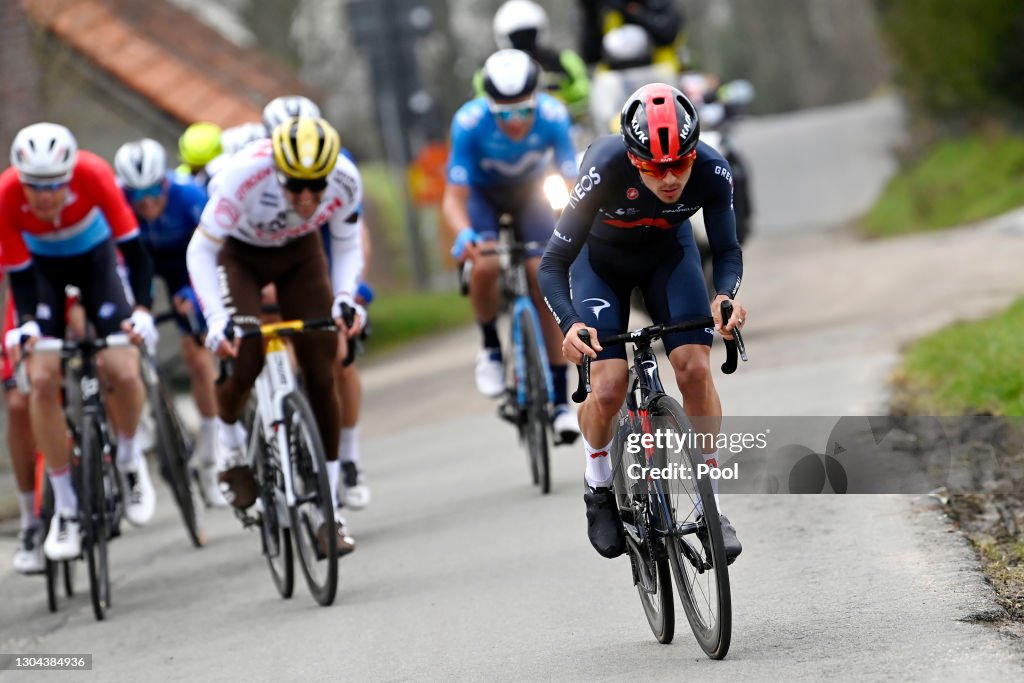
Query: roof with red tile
point(165, 54)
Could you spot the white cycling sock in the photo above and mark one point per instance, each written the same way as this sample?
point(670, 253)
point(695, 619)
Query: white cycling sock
point(334, 476)
point(712, 459)
point(27, 506)
point(599, 466)
point(230, 438)
point(348, 444)
point(127, 453)
point(64, 499)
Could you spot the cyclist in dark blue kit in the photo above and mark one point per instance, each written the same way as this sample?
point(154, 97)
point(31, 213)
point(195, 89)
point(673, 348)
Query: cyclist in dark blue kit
point(627, 226)
point(167, 206)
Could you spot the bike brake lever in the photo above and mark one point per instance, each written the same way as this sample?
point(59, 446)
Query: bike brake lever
point(583, 384)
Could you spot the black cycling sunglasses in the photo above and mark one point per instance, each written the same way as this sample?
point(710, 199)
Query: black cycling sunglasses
point(297, 185)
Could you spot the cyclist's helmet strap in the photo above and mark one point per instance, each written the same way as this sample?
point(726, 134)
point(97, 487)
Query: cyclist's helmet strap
point(659, 124)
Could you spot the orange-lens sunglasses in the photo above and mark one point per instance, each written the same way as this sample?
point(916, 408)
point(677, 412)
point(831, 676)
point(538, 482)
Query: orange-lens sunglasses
point(658, 171)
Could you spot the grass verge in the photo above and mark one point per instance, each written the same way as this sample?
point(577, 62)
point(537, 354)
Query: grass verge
point(960, 181)
point(972, 368)
point(401, 317)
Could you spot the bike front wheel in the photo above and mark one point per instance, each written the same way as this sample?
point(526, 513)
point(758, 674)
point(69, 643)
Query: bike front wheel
point(647, 549)
point(536, 427)
point(95, 516)
point(312, 516)
point(174, 451)
point(696, 551)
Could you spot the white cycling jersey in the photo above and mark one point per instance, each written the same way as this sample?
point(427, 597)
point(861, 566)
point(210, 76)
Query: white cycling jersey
point(247, 203)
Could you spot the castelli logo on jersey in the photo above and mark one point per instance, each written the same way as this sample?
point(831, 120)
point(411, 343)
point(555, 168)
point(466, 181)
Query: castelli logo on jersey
point(226, 214)
point(632, 193)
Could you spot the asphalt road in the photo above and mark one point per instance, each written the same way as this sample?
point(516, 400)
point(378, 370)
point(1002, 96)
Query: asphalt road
point(464, 571)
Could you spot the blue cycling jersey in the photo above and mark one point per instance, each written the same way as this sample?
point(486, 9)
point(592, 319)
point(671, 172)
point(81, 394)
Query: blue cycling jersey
point(484, 156)
point(173, 228)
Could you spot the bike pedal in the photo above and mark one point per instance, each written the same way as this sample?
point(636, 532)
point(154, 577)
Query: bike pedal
point(510, 413)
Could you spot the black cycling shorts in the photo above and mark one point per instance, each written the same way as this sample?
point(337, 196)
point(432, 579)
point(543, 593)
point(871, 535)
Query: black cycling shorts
point(95, 274)
point(668, 273)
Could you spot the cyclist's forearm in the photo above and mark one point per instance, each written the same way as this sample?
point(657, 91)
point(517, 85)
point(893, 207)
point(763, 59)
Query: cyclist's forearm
point(553, 280)
point(23, 289)
point(346, 261)
point(727, 256)
point(201, 259)
point(453, 208)
point(140, 270)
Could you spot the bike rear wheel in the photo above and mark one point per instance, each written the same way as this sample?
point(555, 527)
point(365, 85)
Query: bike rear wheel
point(696, 549)
point(313, 503)
point(536, 428)
point(94, 515)
point(647, 548)
point(174, 450)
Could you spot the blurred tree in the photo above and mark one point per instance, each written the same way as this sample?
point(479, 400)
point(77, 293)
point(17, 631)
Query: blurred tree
point(958, 59)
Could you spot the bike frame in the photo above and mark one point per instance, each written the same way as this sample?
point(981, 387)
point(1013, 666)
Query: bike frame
point(275, 381)
point(513, 265)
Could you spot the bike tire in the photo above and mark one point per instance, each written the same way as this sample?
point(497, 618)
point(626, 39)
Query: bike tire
point(275, 536)
point(649, 563)
point(69, 578)
point(313, 499)
point(173, 451)
point(51, 568)
point(95, 522)
point(705, 595)
point(536, 403)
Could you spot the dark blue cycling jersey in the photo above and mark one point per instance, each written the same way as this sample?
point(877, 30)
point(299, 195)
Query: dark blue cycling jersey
point(610, 207)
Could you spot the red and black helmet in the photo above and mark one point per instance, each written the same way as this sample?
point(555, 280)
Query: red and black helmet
point(659, 124)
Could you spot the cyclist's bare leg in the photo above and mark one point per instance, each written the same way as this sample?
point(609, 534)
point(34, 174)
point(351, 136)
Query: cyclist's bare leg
point(692, 366)
point(483, 285)
point(124, 394)
point(20, 442)
point(608, 380)
point(350, 392)
point(202, 374)
point(45, 411)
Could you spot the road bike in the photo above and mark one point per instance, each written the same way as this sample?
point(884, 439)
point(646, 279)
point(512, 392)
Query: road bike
point(529, 392)
point(665, 528)
point(295, 507)
point(94, 468)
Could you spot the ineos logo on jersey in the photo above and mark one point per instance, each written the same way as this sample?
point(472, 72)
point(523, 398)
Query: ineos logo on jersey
point(632, 193)
point(597, 308)
point(585, 184)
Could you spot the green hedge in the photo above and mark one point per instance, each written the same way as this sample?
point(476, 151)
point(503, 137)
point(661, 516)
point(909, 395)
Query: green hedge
point(958, 57)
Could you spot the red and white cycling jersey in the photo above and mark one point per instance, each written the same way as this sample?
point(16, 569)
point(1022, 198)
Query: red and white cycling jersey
point(248, 203)
point(94, 210)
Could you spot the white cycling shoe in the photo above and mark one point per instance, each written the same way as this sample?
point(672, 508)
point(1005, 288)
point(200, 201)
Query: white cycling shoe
point(354, 493)
point(28, 558)
point(565, 424)
point(64, 540)
point(140, 497)
point(209, 486)
point(490, 375)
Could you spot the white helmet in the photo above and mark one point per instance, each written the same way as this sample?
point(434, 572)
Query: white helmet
point(141, 164)
point(510, 75)
point(237, 137)
point(45, 151)
point(519, 15)
point(286, 107)
point(626, 44)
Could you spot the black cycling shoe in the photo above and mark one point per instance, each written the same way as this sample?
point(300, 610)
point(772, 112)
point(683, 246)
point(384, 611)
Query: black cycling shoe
point(733, 547)
point(604, 528)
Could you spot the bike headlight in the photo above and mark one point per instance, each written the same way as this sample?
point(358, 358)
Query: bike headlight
point(556, 192)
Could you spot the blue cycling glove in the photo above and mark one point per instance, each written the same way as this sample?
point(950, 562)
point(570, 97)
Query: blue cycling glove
point(465, 237)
